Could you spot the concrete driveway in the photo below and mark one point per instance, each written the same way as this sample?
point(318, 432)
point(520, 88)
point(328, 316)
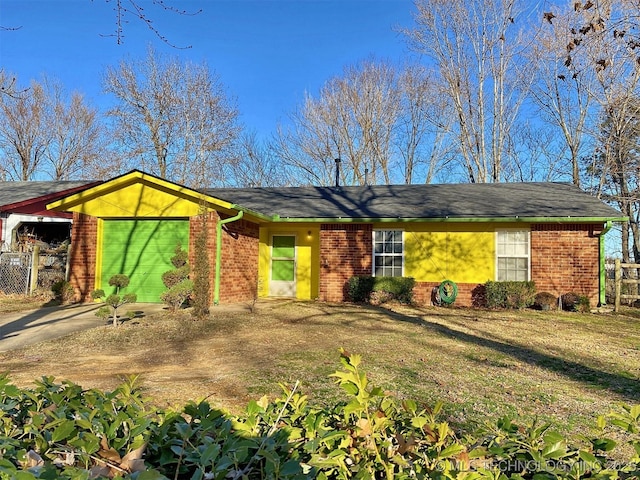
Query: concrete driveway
point(25, 328)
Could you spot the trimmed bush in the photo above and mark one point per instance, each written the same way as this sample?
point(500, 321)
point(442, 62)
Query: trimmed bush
point(115, 300)
point(572, 302)
point(361, 288)
point(545, 301)
point(177, 281)
point(510, 294)
point(583, 305)
point(63, 291)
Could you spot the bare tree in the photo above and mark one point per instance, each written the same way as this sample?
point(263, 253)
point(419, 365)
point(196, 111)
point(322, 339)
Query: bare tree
point(617, 160)
point(173, 119)
point(75, 147)
point(352, 119)
point(564, 90)
point(598, 20)
point(23, 133)
point(45, 132)
point(256, 165)
point(476, 48)
point(600, 45)
point(536, 154)
point(383, 123)
point(423, 132)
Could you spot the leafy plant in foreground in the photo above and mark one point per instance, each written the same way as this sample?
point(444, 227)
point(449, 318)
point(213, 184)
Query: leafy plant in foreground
point(60, 431)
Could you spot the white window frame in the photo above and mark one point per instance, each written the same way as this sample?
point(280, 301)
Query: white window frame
point(374, 255)
point(527, 232)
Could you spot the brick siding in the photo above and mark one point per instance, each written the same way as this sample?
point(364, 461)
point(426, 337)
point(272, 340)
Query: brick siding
point(345, 251)
point(82, 258)
point(240, 252)
point(566, 258)
point(239, 257)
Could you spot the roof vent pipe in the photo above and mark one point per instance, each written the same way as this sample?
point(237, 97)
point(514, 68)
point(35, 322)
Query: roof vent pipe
point(337, 172)
point(366, 176)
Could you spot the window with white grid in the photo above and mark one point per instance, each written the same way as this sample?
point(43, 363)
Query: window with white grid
point(387, 253)
point(512, 255)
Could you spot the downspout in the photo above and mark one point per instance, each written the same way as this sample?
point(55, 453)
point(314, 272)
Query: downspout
point(219, 225)
point(603, 273)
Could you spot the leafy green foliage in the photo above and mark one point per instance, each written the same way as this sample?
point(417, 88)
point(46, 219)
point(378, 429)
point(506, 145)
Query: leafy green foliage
point(365, 288)
point(178, 294)
point(360, 288)
point(177, 281)
point(62, 431)
point(115, 300)
point(510, 294)
point(180, 257)
point(119, 281)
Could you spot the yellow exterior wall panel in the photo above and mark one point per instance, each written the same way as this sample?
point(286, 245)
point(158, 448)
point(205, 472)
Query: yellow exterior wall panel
point(138, 200)
point(463, 257)
point(307, 259)
point(462, 252)
point(264, 260)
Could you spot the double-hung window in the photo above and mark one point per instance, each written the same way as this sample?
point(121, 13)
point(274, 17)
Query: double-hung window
point(512, 255)
point(388, 251)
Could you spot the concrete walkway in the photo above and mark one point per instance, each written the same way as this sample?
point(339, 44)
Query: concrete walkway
point(25, 328)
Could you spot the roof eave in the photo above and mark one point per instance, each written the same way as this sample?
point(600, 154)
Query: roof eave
point(260, 217)
point(447, 219)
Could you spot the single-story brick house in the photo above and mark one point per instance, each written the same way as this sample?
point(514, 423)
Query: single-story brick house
point(306, 242)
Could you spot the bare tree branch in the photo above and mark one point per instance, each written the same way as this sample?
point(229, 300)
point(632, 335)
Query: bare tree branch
point(125, 9)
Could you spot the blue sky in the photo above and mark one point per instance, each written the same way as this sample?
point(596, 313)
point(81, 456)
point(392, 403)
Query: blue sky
point(266, 52)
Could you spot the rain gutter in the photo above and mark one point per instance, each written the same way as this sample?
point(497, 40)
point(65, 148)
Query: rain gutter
point(253, 213)
point(279, 219)
point(219, 225)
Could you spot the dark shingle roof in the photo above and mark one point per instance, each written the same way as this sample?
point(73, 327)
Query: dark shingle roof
point(494, 200)
point(15, 192)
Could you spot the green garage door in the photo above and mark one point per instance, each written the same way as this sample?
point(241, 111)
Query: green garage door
point(141, 249)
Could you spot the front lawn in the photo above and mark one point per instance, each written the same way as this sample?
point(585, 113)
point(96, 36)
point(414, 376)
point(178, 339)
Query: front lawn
point(556, 366)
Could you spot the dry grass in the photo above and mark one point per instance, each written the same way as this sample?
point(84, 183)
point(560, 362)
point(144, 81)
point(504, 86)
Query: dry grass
point(18, 303)
point(562, 367)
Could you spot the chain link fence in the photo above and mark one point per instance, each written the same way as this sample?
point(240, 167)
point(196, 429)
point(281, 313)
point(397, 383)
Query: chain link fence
point(15, 273)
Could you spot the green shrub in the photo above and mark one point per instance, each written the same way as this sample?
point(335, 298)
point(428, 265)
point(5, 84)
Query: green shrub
point(177, 294)
point(115, 300)
point(583, 305)
point(174, 277)
point(545, 301)
point(62, 431)
point(177, 280)
point(572, 302)
point(510, 294)
point(63, 291)
point(361, 289)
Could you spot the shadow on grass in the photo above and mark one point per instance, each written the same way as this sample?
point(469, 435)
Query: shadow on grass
point(624, 386)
